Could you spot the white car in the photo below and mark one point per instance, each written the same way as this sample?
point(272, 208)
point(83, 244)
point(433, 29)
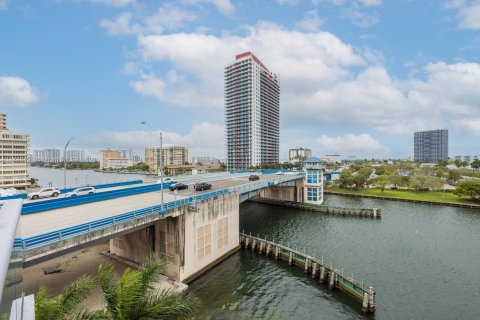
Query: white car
point(279, 173)
point(44, 193)
point(81, 192)
point(166, 180)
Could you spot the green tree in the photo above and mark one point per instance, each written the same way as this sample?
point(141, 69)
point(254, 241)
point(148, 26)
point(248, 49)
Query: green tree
point(469, 189)
point(134, 295)
point(475, 164)
point(395, 180)
point(365, 171)
point(64, 305)
point(382, 182)
point(359, 180)
point(345, 180)
point(442, 163)
point(380, 170)
point(453, 176)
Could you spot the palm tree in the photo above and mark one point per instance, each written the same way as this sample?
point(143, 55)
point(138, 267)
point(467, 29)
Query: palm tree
point(134, 295)
point(64, 305)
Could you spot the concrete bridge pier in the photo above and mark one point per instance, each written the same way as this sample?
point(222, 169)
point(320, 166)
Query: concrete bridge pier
point(269, 249)
point(277, 252)
point(307, 264)
point(290, 258)
point(254, 245)
point(192, 239)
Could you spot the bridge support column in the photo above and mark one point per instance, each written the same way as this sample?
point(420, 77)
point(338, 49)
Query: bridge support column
point(269, 249)
point(191, 239)
point(253, 244)
point(290, 258)
point(314, 270)
point(277, 252)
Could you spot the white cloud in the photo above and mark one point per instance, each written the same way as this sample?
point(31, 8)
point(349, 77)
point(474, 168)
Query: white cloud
point(468, 13)
point(119, 26)
point(360, 18)
point(288, 2)
point(223, 6)
point(311, 22)
point(203, 139)
point(15, 91)
point(4, 4)
point(114, 3)
point(362, 145)
point(367, 3)
point(167, 17)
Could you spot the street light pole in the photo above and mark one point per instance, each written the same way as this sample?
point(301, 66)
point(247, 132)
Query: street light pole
point(65, 164)
point(160, 169)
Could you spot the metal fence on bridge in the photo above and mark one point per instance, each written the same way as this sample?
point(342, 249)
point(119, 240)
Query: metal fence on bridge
point(48, 238)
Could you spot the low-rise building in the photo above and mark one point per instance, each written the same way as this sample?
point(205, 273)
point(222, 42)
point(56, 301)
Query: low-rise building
point(299, 154)
point(205, 160)
point(119, 163)
point(106, 155)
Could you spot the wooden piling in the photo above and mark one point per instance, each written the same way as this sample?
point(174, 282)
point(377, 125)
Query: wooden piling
point(334, 277)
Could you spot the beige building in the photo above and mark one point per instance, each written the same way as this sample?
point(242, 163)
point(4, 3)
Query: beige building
point(106, 155)
point(13, 157)
point(119, 163)
point(172, 156)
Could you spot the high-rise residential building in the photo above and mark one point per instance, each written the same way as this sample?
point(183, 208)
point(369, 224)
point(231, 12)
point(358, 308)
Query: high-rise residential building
point(75, 155)
point(46, 155)
point(252, 113)
point(14, 157)
point(299, 154)
point(106, 155)
point(172, 155)
point(430, 146)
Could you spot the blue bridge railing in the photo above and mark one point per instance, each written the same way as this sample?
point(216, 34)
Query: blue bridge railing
point(34, 242)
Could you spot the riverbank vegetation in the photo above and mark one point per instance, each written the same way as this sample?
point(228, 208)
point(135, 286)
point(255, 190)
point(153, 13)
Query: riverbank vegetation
point(70, 165)
point(409, 180)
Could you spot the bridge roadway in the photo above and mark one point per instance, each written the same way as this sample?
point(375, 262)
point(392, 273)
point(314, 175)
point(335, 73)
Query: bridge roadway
point(47, 221)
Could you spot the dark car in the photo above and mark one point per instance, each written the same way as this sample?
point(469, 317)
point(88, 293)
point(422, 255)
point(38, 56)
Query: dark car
point(253, 177)
point(178, 186)
point(202, 186)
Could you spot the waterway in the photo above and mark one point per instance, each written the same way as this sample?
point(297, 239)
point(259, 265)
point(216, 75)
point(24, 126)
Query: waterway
point(423, 261)
point(75, 178)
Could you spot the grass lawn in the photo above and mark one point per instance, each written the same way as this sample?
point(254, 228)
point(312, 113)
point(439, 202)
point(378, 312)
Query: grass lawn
point(437, 196)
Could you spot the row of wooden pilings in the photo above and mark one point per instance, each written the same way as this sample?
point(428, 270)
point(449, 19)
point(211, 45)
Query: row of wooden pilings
point(334, 278)
point(375, 213)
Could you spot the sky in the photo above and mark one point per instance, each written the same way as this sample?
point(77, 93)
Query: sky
point(357, 77)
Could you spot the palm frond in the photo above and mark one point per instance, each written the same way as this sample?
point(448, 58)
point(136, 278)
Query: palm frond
point(74, 293)
point(151, 271)
point(109, 284)
point(171, 304)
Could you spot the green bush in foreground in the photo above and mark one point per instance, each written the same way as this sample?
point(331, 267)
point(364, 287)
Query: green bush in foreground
point(469, 189)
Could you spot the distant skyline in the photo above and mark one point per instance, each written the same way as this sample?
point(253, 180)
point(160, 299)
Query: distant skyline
point(357, 77)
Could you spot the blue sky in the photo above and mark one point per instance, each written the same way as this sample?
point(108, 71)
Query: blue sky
point(358, 77)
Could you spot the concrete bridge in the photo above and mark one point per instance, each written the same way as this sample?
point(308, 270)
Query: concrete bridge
point(193, 232)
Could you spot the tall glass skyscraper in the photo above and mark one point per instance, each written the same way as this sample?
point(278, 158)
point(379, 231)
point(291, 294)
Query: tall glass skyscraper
point(430, 146)
point(252, 113)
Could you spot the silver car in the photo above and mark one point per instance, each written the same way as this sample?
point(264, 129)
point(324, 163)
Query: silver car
point(44, 193)
point(81, 192)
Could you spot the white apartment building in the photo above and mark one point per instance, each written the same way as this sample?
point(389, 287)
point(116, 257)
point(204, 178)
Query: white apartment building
point(13, 157)
point(252, 113)
point(46, 155)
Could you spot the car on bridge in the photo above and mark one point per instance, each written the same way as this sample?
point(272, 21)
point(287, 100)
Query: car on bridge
point(253, 177)
point(43, 193)
point(166, 180)
point(202, 186)
point(178, 186)
point(81, 192)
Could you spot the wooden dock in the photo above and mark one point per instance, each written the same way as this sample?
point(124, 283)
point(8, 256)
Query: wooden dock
point(375, 213)
point(333, 277)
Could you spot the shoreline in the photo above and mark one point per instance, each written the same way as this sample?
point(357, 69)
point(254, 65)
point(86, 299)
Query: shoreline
point(437, 203)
